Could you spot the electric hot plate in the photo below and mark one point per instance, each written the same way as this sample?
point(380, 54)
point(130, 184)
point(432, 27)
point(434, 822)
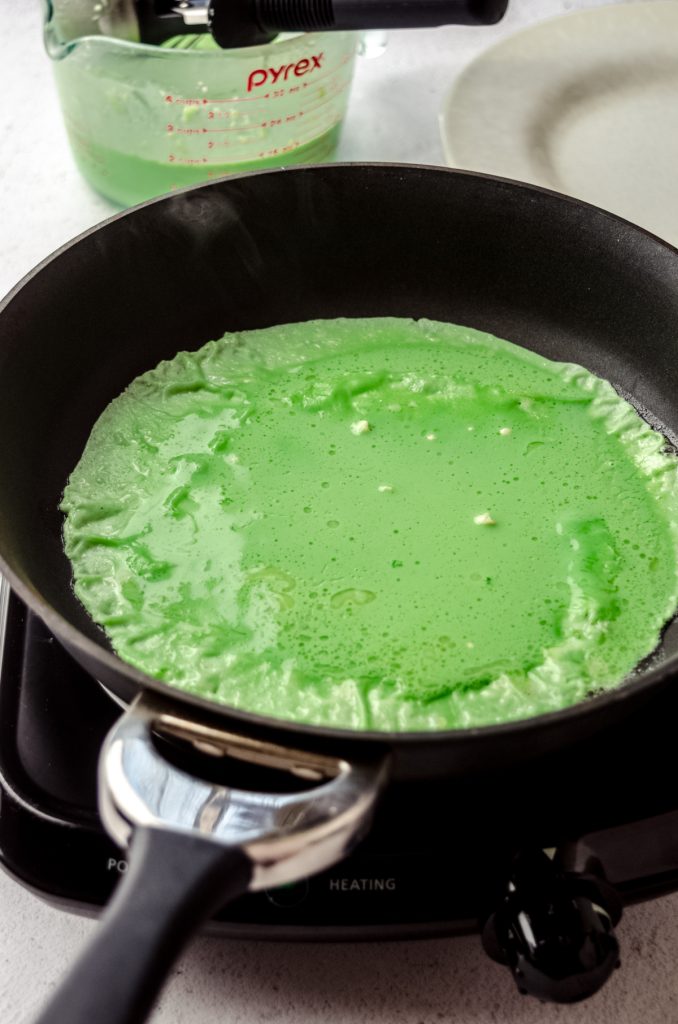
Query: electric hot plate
point(528, 863)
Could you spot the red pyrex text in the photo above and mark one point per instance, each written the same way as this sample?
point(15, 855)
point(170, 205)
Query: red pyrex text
point(269, 76)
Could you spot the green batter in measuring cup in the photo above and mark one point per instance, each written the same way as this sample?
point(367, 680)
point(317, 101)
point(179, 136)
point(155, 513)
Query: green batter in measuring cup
point(144, 120)
point(380, 524)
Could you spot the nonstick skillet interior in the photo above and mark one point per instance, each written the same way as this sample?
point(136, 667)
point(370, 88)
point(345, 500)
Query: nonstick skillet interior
point(549, 273)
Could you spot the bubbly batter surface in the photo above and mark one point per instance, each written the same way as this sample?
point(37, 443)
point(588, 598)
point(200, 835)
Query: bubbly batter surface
point(376, 523)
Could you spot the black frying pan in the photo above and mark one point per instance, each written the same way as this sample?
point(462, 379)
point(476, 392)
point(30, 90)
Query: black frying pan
point(550, 273)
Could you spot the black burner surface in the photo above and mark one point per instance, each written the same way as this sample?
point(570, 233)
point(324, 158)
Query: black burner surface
point(435, 864)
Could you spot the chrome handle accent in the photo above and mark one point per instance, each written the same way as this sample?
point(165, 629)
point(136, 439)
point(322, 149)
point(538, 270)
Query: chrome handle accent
point(287, 836)
point(194, 12)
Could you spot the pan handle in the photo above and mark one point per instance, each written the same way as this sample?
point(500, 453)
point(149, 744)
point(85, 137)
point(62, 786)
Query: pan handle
point(174, 883)
point(195, 846)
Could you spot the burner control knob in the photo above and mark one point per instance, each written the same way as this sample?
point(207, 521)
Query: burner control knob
point(554, 930)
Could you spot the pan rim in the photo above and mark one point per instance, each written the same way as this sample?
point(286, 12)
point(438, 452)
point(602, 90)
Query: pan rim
point(73, 638)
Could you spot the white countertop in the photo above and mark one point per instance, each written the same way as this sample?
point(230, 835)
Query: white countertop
point(44, 202)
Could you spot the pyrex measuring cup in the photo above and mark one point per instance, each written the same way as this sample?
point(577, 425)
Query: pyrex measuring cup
point(143, 120)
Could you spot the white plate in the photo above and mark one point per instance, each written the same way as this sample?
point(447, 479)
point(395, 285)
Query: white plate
point(585, 104)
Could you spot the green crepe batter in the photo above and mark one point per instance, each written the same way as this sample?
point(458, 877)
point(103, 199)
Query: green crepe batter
point(376, 524)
